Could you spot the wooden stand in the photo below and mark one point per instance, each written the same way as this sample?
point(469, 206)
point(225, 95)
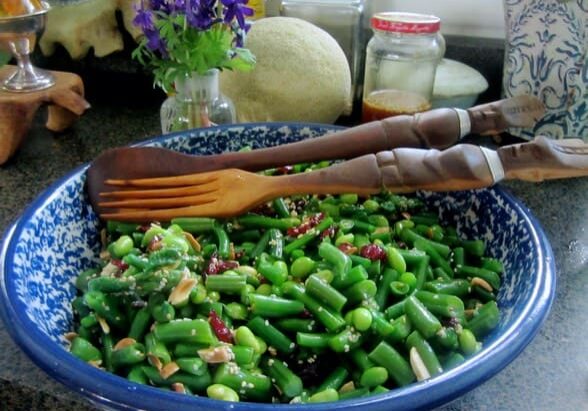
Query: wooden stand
point(17, 110)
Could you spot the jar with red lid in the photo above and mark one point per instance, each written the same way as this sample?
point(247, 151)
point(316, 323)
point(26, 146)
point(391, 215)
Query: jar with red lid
point(401, 60)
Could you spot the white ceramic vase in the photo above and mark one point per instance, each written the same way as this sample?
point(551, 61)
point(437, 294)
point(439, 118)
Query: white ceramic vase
point(547, 56)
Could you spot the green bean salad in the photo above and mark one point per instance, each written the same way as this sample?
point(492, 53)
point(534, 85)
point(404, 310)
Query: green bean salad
point(307, 299)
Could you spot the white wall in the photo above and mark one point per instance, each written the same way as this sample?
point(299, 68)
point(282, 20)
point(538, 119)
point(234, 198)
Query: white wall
point(480, 18)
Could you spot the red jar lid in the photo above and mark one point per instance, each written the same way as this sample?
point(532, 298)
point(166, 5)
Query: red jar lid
point(399, 22)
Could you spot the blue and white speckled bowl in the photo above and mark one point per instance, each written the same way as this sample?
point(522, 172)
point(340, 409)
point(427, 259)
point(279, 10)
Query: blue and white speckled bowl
point(57, 237)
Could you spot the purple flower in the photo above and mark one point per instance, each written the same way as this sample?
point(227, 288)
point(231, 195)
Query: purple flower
point(144, 20)
point(201, 13)
point(237, 9)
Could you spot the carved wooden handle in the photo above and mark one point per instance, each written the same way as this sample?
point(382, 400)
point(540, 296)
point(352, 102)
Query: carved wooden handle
point(543, 159)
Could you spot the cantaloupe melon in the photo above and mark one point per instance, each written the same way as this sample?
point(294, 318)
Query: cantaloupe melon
point(301, 74)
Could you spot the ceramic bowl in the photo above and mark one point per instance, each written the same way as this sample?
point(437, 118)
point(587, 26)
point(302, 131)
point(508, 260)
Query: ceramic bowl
point(56, 237)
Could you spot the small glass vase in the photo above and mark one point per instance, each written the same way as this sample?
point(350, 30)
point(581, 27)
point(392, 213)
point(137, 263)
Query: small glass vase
point(196, 103)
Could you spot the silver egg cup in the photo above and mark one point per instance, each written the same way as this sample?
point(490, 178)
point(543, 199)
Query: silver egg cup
point(19, 35)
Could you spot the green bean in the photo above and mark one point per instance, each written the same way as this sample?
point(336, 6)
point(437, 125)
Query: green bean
point(360, 291)
point(360, 359)
point(490, 277)
point(395, 259)
point(222, 392)
point(281, 208)
point(140, 324)
point(260, 246)
point(383, 287)
point(192, 365)
point(409, 236)
point(474, 247)
point(420, 272)
point(243, 355)
point(129, 355)
point(271, 306)
point(84, 350)
point(245, 337)
point(458, 257)
point(236, 311)
point(252, 386)
point(467, 342)
point(296, 324)
point(106, 306)
point(345, 340)
point(184, 330)
point(121, 227)
point(373, 377)
point(82, 280)
point(334, 380)
point(402, 327)
point(399, 289)
point(354, 276)
point(492, 264)
point(271, 335)
point(195, 225)
point(421, 318)
point(458, 287)
point(223, 243)
point(379, 390)
point(107, 348)
point(89, 321)
point(437, 260)
point(398, 368)
point(327, 395)
point(313, 340)
point(395, 310)
point(357, 260)
point(322, 291)
point(308, 236)
point(425, 351)
point(225, 283)
point(355, 393)
point(331, 321)
point(453, 360)
point(137, 375)
point(380, 325)
point(485, 319)
point(338, 258)
point(409, 279)
point(446, 339)
point(276, 272)
point(276, 243)
point(196, 383)
point(287, 381)
point(442, 304)
point(163, 312)
point(259, 221)
point(155, 348)
point(136, 261)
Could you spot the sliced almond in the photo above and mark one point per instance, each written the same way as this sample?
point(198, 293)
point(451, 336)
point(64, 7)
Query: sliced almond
point(181, 291)
point(95, 363)
point(247, 270)
point(103, 325)
point(216, 355)
point(193, 242)
point(125, 342)
point(231, 251)
point(348, 386)
point(418, 366)
point(351, 250)
point(179, 387)
point(70, 336)
point(168, 370)
point(480, 282)
point(155, 361)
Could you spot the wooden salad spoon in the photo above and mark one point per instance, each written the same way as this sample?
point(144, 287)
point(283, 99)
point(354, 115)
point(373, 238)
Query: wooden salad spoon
point(438, 128)
point(230, 192)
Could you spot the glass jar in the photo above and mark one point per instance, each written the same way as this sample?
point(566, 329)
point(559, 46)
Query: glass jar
point(401, 60)
point(196, 103)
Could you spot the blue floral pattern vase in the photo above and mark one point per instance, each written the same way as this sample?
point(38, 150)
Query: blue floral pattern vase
point(547, 56)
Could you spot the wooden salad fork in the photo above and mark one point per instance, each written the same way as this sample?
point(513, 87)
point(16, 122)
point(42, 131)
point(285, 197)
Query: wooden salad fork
point(231, 192)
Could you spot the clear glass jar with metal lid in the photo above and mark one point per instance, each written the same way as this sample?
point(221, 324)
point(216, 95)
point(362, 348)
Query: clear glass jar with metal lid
point(400, 64)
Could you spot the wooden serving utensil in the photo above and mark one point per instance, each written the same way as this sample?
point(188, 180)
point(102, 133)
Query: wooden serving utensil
point(439, 128)
point(231, 192)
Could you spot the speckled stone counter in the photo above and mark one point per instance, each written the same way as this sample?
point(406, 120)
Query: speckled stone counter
point(551, 374)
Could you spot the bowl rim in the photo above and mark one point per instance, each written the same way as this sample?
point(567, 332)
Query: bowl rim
point(105, 388)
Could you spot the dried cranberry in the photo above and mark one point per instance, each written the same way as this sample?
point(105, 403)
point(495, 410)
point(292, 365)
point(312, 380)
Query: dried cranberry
point(306, 225)
point(121, 265)
point(329, 232)
point(220, 329)
point(216, 265)
point(284, 170)
point(373, 252)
